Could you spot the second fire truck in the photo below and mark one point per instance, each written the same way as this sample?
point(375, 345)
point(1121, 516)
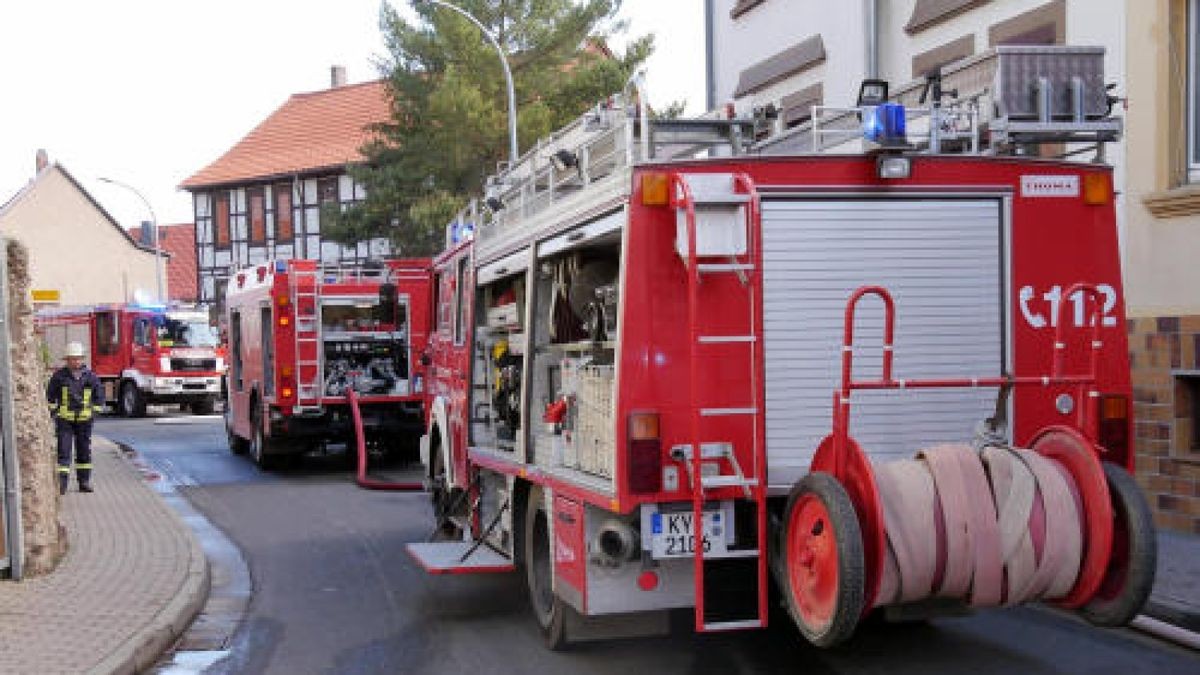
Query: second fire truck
point(670, 364)
point(301, 335)
point(142, 354)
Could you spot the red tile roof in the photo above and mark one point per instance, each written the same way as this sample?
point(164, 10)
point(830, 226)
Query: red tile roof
point(178, 242)
point(316, 130)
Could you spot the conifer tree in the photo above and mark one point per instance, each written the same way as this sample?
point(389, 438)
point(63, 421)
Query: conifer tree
point(449, 128)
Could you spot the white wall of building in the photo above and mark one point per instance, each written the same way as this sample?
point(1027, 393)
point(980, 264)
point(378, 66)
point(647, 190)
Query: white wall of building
point(74, 248)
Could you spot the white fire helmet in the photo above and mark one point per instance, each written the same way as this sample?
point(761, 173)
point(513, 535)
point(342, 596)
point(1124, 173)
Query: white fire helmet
point(74, 349)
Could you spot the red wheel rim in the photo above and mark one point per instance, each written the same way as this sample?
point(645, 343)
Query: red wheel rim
point(812, 560)
point(1075, 453)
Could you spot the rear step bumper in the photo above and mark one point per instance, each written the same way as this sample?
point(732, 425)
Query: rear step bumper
point(450, 557)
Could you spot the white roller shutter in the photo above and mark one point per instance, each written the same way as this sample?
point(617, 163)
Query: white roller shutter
point(941, 260)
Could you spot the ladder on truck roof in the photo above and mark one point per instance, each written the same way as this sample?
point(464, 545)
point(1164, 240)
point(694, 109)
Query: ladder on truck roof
point(718, 236)
point(585, 166)
point(305, 288)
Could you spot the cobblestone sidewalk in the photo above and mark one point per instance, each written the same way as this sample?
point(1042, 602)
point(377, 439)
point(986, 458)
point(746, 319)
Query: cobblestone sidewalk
point(132, 580)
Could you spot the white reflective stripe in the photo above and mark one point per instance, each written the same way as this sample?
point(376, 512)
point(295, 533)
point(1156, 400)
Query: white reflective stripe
point(719, 339)
point(712, 412)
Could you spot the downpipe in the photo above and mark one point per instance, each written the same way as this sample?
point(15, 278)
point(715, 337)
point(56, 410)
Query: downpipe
point(360, 447)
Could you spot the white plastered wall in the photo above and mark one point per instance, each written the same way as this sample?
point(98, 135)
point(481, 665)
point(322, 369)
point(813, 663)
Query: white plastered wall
point(73, 247)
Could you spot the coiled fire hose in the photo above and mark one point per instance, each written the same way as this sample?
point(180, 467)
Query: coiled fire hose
point(998, 527)
point(360, 447)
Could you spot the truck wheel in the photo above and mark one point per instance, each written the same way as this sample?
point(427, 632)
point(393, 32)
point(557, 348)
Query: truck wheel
point(1130, 575)
point(442, 498)
point(203, 406)
point(237, 444)
point(823, 567)
point(549, 609)
point(132, 403)
point(259, 443)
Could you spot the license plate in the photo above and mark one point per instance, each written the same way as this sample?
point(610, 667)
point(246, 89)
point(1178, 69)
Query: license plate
point(672, 534)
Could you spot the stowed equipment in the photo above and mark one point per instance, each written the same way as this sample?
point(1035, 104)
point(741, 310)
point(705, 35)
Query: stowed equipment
point(1061, 525)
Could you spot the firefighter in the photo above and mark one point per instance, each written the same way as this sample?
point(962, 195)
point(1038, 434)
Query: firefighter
point(74, 395)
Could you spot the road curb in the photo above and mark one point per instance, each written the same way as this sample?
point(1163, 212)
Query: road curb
point(1172, 614)
point(143, 648)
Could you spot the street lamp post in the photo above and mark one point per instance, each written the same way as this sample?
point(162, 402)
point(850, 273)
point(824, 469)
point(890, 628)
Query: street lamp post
point(154, 228)
point(508, 81)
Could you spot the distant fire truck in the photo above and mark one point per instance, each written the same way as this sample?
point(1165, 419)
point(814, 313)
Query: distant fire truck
point(301, 335)
point(142, 354)
point(637, 342)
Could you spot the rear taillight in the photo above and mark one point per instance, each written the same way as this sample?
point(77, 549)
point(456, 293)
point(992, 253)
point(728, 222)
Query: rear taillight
point(1113, 424)
point(645, 453)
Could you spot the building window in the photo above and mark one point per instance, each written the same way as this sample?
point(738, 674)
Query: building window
point(327, 190)
point(1045, 25)
point(744, 6)
point(283, 213)
point(258, 216)
point(929, 13)
point(221, 219)
point(927, 62)
point(796, 59)
point(796, 109)
point(1186, 430)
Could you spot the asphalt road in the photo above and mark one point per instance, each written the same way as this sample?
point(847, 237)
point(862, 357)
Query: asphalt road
point(334, 592)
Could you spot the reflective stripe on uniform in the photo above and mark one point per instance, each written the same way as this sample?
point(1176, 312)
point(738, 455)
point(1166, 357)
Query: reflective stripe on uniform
point(83, 466)
point(64, 410)
point(64, 469)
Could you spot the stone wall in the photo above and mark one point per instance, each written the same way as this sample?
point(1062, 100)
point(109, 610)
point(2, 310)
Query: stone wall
point(1165, 362)
point(45, 537)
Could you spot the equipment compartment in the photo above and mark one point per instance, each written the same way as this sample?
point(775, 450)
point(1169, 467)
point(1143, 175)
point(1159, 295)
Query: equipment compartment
point(574, 327)
point(364, 348)
point(498, 363)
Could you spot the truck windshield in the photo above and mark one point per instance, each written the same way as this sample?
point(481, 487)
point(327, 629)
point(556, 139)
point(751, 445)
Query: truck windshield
point(175, 333)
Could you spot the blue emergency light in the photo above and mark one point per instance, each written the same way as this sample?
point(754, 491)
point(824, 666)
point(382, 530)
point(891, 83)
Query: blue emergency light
point(461, 232)
point(884, 125)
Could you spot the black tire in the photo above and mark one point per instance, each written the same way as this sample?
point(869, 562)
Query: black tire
point(444, 501)
point(260, 445)
point(131, 402)
point(834, 516)
point(1126, 585)
point(548, 609)
point(204, 406)
point(237, 444)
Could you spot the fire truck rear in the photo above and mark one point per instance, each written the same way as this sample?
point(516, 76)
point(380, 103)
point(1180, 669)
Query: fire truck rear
point(142, 354)
point(671, 364)
point(302, 335)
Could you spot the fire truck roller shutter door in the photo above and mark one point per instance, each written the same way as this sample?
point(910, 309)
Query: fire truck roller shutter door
point(942, 260)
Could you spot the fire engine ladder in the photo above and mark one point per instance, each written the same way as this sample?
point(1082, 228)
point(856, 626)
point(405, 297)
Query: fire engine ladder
point(306, 293)
point(718, 217)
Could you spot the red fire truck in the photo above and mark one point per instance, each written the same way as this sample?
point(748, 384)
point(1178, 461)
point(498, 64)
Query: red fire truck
point(143, 354)
point(637, 341)
point(301, 335)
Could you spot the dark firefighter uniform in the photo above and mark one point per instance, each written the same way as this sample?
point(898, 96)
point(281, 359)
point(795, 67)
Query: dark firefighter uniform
point(73, 400)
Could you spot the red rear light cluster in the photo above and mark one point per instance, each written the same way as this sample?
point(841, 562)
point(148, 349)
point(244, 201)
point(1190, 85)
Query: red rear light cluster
point(1113, 424)
point(645, 453)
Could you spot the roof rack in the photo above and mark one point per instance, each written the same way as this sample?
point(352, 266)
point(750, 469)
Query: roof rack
point(1003, 101)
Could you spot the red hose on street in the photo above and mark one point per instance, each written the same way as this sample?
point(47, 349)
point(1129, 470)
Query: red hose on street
point(360, 446)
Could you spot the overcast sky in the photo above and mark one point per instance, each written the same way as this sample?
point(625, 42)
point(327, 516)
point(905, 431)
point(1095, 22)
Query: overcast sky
point(149, 91)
